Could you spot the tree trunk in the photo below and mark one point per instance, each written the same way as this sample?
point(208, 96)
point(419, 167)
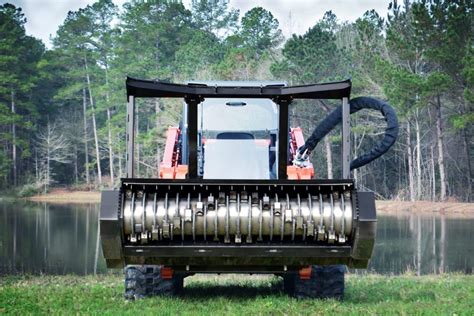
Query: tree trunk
point(327, 144)
point(36, 166)
point(433, 175)
point(76, 171)
point(109, 128)
point(94, 125)
point(119, 154)
point(15, 175)
point(86, 146)
point(418, 159)
point(47, 182)
point(442, 171)
point(470, 176)
point(411, 184)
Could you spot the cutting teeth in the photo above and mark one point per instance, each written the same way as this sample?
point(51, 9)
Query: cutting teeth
point(331, 236)
point(236, 217)
point(342, 238)
point(321, 233)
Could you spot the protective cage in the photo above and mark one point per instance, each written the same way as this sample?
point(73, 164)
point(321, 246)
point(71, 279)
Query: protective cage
point(272, 226)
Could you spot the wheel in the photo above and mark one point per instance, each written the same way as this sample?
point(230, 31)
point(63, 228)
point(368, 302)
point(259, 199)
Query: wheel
point(145, 280)
point(325, 282)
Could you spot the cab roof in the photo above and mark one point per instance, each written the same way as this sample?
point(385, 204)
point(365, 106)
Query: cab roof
point(199, 90)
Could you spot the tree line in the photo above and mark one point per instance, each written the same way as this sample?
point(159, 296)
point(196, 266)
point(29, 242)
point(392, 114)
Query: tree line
point(62, 110)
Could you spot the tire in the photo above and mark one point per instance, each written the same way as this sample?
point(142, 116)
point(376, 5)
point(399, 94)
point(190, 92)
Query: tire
point(327, 282)
point(145, 281)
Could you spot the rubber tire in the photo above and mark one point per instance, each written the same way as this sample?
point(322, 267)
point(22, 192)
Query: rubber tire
point(327, 282)
point(145, 281)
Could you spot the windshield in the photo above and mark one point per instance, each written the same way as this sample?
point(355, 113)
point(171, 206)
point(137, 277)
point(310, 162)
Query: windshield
point(238, 138)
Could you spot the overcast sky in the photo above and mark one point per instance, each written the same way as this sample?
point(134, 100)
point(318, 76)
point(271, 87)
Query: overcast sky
point(295, 16)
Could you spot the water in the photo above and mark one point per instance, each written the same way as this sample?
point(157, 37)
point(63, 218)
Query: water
point(62, 239)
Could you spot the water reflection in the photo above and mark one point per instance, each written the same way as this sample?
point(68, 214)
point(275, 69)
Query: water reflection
point(61, 239)
point(423, 243)
point(49, 238)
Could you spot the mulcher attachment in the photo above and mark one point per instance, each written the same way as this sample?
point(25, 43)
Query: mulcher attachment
point(257, 226)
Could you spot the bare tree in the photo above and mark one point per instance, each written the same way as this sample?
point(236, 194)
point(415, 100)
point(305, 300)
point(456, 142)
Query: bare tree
point(52, 147)
point(94, 124)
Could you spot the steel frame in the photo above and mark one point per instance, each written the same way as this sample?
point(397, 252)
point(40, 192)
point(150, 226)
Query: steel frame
point(194, 94)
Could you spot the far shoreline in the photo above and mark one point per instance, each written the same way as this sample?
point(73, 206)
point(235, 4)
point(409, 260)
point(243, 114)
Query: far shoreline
point(62, 196)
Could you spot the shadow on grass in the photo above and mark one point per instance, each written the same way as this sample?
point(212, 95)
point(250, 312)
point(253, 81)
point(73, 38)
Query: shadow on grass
point(234, 291)
point(365, 292)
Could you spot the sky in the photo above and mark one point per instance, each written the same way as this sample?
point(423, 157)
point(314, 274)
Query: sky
point(295, 16)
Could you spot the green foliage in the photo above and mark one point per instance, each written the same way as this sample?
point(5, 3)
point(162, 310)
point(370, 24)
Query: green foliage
point(196, 58)
point(313, 57)
point(421, 54)
point(260, 30)
point(214, 16)
point(19, 56)
point(29, 189)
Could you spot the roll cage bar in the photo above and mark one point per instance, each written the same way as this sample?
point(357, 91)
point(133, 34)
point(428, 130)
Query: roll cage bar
point(194, 94)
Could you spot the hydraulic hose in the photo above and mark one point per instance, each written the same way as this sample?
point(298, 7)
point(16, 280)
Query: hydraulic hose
point(357, 104)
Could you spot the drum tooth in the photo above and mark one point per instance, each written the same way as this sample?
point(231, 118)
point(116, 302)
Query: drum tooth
point(331, 232)
point(282, 229)
point(144, 235)
point(227, 221)
point(343, 218)
point(266, 202)
point(272, 219)
point(221, 199)
point(310, 222)
point(249, 229)
point(277, 208)
point(154, 228)
point(144, 238)
point(310, 227)
point(342, 238)
point(166, 230)
point(210, 202)
point(238, 237)
point(216, 228)
point(321, 233)
point(260, 222)
point(205, 223)
point(154, 234)
point(255, 198)
point(199, 208)
point(331, 236)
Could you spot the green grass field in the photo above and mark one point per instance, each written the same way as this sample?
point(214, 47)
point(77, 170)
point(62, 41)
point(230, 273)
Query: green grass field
point(451, 294)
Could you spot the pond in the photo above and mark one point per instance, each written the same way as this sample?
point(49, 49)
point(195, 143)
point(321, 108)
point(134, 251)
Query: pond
point(62, 239)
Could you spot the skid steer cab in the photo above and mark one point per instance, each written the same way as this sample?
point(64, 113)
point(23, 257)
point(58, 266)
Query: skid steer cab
point(236, 192)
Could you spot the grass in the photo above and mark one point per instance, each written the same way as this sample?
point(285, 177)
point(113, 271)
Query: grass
point(239, 295)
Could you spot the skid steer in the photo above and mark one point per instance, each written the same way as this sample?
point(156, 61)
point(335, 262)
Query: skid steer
point(236, 193)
